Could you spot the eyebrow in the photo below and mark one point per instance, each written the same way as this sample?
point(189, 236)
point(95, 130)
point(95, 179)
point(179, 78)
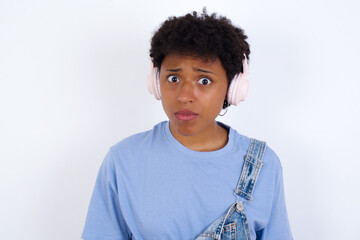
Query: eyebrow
point(173, 70)
point(196, 69)
point(202, 70)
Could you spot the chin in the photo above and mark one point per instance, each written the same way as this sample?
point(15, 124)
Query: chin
point(184, 130)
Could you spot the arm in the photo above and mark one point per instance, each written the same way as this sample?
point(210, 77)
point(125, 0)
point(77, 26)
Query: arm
point(104, 219)
point(278, 226)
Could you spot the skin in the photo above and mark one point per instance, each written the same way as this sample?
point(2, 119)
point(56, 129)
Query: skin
point(183, 86)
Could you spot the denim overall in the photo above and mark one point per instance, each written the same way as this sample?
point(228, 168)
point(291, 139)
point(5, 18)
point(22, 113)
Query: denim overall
point(234, 225)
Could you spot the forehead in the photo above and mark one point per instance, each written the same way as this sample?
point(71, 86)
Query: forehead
point(183, 60)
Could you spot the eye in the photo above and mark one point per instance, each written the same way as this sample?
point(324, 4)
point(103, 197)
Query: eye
point(173, 79)
point(204, 81)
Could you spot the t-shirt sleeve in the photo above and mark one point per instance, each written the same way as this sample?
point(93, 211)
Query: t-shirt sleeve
point(104, 218)
point(278, 226)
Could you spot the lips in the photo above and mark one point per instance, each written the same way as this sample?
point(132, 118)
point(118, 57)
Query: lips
point(186, 115)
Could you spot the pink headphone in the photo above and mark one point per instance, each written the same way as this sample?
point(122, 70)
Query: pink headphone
point(237, 91)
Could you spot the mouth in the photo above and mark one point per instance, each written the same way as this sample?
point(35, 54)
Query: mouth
point(186, 115)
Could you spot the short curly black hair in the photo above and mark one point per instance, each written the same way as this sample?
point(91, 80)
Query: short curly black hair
point(208, 36)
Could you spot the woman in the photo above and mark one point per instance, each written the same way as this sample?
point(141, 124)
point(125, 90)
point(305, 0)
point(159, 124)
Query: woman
point(191, 177)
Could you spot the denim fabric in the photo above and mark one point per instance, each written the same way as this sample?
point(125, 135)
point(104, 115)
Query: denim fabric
point(233, 225)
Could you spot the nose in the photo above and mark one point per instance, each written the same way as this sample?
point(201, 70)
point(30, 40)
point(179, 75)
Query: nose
point(186, 93)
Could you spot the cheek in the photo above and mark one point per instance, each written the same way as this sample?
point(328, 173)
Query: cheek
point(213, 102)
point(167, 102)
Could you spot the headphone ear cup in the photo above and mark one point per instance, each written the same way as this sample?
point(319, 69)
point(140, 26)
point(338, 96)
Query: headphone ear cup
point(153, 82)
point(239, 86)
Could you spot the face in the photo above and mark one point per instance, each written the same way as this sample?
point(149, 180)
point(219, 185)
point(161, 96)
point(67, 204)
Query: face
point(192, 92)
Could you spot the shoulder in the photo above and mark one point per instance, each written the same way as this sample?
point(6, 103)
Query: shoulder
point(271, 171)
point(270, 158)
point(138, 139)
point(137, 145)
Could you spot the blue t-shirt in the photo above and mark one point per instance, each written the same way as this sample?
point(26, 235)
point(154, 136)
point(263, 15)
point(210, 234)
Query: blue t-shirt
point(150, 186)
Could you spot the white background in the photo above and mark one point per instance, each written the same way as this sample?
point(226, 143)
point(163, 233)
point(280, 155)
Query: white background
point(73, 83)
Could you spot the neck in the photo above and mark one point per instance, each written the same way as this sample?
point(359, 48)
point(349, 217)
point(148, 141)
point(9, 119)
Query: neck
point(212, 138)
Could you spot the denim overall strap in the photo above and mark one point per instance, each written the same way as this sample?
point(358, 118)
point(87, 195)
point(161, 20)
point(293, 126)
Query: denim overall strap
point(251, 169)
point(234, 225)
